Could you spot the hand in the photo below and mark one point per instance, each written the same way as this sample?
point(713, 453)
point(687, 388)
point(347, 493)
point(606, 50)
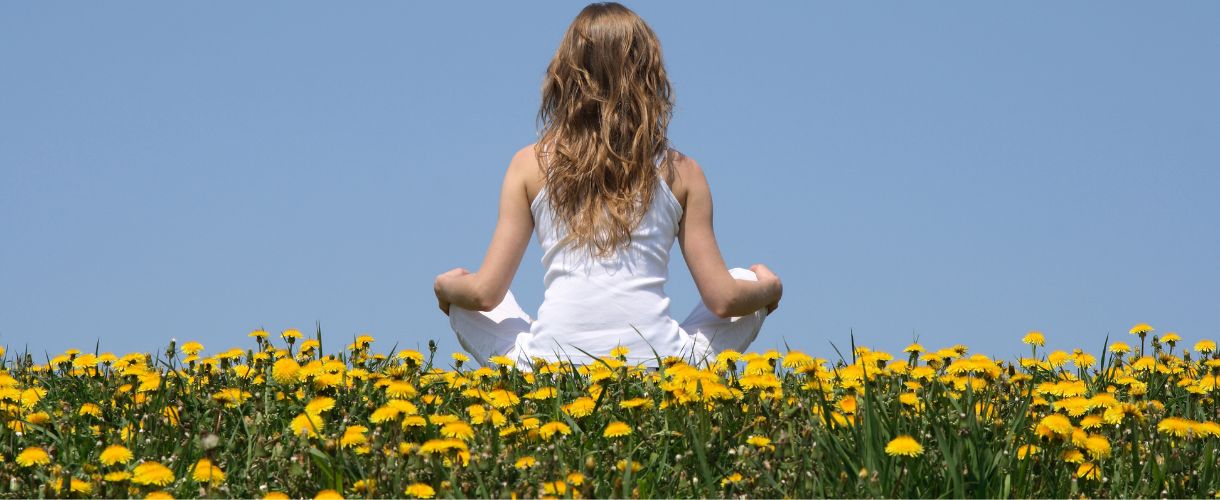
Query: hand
point(769, 278)
point(439, 286)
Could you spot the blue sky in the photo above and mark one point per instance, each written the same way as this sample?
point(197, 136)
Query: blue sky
point(963, 172)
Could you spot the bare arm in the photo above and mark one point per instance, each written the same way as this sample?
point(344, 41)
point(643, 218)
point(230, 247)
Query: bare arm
point(485, 289)
point(721, 293)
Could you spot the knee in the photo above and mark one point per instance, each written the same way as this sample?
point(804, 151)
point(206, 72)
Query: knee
point(743, 274)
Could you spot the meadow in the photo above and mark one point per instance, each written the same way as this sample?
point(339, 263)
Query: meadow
point(284, 418)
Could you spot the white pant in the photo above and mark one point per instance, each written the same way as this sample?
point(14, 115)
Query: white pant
point(501, 331)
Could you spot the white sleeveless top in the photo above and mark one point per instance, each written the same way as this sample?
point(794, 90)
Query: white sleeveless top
point(595, 304)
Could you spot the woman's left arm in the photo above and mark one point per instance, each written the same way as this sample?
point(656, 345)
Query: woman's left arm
point(485, 289)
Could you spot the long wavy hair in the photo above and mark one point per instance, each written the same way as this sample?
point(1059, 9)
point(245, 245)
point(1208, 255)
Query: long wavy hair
point(606, 107)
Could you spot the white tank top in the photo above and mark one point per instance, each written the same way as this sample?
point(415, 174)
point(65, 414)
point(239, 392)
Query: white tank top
point(595, 304)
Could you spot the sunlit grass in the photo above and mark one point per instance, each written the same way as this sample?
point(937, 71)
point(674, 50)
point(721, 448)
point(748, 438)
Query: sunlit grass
point(284, 418)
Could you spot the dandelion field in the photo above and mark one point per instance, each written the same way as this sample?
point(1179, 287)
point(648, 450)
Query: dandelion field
point(286, 419)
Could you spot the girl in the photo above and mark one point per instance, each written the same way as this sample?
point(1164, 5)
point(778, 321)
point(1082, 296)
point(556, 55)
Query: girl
point(606, 196)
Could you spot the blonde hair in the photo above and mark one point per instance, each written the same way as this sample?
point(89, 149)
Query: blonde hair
point(606, 107)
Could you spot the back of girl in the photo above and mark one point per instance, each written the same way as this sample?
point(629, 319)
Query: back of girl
point(607, 197)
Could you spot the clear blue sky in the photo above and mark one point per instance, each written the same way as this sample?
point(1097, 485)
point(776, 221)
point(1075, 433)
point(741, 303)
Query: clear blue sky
point(960, 171)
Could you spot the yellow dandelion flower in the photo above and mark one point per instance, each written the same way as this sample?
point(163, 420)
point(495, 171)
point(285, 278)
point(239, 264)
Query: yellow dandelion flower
point(1097, 446)
point(205, 471)
point(1082, 359)
point(354, 436)
point(797, 359)
point(576, 479)
point(502, 361)
point(555, 487)
point(1120, 348)
point(307, 424)
point(1058, 424)
point(152, 473)
point(1175, 426)
point(1034, 338)
point(616, 429)
point(525, 462)
point(581, 407)
point(258, 334)
point(1088, 470)
point(328, 495)
point(400, 390)
point(441, 445)
point(32, 456)
point(286, 371)
point(628, 404)
point(759, 441)
point(458, 430)
point(1207, 429)
point(847, 405)
point(1171, 338)
point(621, 465)
point(191, 348)
point(904, 446)
point(501, 398)
point(117, 476)
point(159, 495)
point(619, 352)
point(420, 490)
point(551, 428)
point(457, 356)
point(1025, 451)
point(1091, 422)
point(115, 454)
point(1141, 329)
point(1205, 346)
point(1073, 456)
point(727, 356)
point(442, 419)
point(74, 485)
point(1057, 358)
point(1115, 414)
point(291, 334)
point(733, 478)
point(276, 495)
point(542, 394)
point(318, 405)
point(90, 409)
point(384, 414)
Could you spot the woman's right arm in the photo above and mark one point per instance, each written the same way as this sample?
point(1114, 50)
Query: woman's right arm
point(723, 295)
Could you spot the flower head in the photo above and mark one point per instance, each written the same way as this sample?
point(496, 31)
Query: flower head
point(1034, 338)
point(1205, 346)
point(152, 473)
point(115, 454)
point(551, 428)
point(616, 429)
point(207, 472)
point(904, 446)
point(32, 456)
point(420, 490)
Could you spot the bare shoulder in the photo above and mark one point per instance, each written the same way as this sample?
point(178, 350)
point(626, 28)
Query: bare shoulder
point(527, 168)
point(687, 175)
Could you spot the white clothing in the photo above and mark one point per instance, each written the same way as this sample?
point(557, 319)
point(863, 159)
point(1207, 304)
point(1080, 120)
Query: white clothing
point(594, 305)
